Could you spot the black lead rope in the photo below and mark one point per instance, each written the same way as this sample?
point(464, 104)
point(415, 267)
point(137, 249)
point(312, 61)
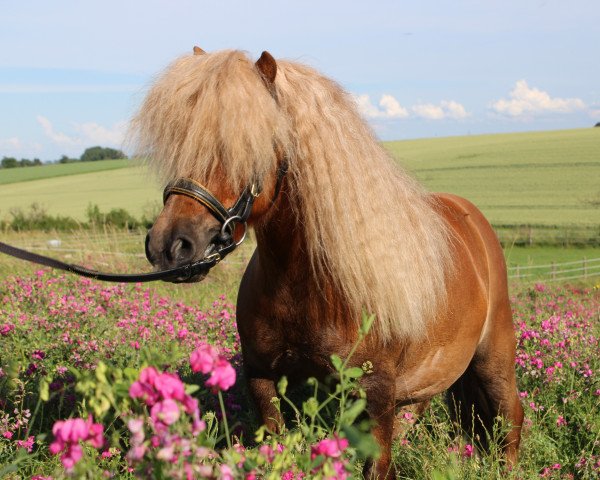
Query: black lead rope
point(179, 273)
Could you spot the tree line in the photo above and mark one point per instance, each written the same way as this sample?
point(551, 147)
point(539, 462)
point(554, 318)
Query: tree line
point(91, 154)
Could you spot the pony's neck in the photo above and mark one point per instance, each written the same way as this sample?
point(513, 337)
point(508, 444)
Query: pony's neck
point(280, 240)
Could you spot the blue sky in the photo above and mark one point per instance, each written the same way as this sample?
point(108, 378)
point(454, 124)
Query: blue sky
point(72, 73)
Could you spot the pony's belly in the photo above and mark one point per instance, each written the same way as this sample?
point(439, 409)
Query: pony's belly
point(436, 372)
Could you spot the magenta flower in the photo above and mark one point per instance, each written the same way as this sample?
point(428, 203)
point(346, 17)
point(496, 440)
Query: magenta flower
point(166, 411)
point(68, 434)
point(468, 451)
point(27, 444)
point(203, 358)
point(222, 376)
point(169, 386)
point(329, 447)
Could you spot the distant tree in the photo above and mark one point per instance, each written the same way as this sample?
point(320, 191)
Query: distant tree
point(597, 124)
point(65, 159)
point(25, 162)
point(37, 161)
point(94, 154)
point(9, 162)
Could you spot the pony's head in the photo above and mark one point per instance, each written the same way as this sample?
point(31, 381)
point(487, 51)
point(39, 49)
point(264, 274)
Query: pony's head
point(213, 119)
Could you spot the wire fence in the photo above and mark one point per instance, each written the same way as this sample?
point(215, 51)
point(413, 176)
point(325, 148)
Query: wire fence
point(584, 269)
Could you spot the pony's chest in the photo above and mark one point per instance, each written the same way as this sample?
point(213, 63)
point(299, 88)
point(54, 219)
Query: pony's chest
point(284, 347)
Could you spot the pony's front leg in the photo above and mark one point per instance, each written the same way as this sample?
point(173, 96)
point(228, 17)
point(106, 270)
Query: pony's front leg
point(262, 390)
point(381, 409)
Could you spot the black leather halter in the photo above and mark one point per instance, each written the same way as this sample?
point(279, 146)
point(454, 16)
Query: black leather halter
point(221, 246)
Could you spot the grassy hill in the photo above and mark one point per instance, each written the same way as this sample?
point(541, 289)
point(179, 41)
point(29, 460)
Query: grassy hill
point(130, 188)
point(547, 178)
point(15, 175)
point(550, 178)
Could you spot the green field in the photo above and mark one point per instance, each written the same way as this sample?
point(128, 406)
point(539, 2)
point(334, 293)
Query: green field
point(15, 175)
point(130, 188)
point(542, 178)
point(550, 178)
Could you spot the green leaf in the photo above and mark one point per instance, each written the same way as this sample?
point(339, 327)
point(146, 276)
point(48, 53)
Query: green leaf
point(100, 372)
point(364, 443)
point(282, 385)
point(190, 389)
point(337, 362)
point(354, 372)
point(310, 407)
point(367, 322)
point(44, 390)
point(350, 414)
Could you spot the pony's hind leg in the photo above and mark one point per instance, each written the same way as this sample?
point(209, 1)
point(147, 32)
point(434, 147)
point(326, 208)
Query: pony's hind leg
point(488, 389)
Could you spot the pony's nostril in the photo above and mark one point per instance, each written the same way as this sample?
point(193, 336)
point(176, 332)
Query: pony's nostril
point(181, 249)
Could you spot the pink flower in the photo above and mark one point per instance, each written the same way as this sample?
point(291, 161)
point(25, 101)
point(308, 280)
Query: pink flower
point(560, 421)
point(226, 473)
point(340, 471)
point(26, 444)
point(169, 386)
point(203, 358)
point(329, 447)
point(144, 387)
point(68, 434)
point(7, 435)
point(223, 375)
point(468, 451)
point(166, 411)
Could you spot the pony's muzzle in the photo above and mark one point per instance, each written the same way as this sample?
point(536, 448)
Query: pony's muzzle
point(178, 251)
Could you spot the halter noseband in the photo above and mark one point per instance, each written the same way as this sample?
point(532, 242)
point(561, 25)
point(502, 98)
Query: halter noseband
point(224, 243)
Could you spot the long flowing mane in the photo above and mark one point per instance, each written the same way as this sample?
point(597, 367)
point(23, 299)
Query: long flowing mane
point(368, 225)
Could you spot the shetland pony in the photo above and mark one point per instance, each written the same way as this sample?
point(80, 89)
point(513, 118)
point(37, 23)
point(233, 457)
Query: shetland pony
point(345, 230)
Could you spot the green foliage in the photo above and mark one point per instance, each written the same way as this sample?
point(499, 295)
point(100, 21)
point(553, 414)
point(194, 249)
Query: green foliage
point(36, 218)
point(9, 162)
point(116, 217)
point(94, 154)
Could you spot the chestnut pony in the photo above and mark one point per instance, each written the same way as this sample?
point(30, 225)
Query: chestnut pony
point(340, 229)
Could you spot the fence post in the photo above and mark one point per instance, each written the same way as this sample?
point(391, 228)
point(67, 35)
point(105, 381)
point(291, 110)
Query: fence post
point(553, 270)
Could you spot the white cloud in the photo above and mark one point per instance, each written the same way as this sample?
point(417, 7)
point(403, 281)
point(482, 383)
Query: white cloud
point(526, 101)
point(446, 109)
point(454, 109)
point(392, 108)
point(88, 134)
point(57, 137)
point(429, 111)
point(12, 143)
point(389, 107)
point(95, 133)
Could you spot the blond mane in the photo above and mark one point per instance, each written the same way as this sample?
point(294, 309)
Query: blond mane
point(368, 225)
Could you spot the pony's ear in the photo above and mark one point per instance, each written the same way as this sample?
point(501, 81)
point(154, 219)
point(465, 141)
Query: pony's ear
point(267, 66)
point(198, 51)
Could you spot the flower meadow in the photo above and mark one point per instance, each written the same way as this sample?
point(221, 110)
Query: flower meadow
point(114, 381)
